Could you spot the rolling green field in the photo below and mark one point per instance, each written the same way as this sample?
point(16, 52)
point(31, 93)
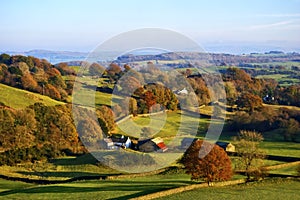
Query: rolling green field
point(269, 189)
point(139, 186)
point(108, 189)
point(18, 99)
point(169, 127)
point(282, 79)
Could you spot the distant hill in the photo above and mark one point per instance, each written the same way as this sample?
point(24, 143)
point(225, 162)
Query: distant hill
point(53, 56)
point(215, 58)
point(76, 58)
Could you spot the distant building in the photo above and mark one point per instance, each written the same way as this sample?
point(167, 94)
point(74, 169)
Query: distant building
point(268, 98)
point(226, 146)
point(182, 92)
point(108, 143)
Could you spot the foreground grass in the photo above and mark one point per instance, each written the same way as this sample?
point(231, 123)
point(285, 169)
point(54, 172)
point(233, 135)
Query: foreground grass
point(18, 99)
point(135, 187)
point(269, 189)
point(59, 169)
point(108, 189)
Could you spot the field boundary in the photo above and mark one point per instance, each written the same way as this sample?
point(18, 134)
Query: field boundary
point(187, 188)
point(81, 178)
point(273, 167)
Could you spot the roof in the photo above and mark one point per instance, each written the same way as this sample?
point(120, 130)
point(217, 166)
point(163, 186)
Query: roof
point(140, 142)
point(119, 140)
point(162, 146)
point(154, 142)
point(222, 144)
point(107, 140)
point(157, 140)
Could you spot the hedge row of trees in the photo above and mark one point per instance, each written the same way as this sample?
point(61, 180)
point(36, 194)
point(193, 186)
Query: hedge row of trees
point(239, 84)
point(52, 127)
point(286, 121)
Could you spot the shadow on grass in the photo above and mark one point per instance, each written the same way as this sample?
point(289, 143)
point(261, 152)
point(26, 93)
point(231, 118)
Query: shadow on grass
point(80, 160)
point(61, 174)
point(141, 188)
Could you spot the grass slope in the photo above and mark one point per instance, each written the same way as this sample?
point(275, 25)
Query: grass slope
point(108, 189)
point(18, 99)
point(269, 189)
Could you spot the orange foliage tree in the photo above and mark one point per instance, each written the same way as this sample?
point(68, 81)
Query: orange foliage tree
point(215, 166)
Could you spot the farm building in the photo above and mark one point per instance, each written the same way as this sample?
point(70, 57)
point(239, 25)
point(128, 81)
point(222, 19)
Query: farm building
point(186, 142)
point(181, 92)
point(152, 145)
point(226, 146)
point(114, 142)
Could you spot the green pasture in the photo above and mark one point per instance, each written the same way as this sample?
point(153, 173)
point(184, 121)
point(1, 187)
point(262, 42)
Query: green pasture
point(99, 189)
point(268, 189)
point(18, 99)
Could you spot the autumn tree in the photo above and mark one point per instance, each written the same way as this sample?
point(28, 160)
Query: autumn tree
point(96, 69)
point(64, 69)
point(231, 93)
point(250, 156)
point(127, 68)
point(106, 119)
point(5, 58)
point(291, 129)
point(28, 82)
point(201, 90)
point(24, 128)
point(133, 108)
point(7, 121)
point(90, 132)
point(129, 85)
point(249, 102)
point(188, 72)
point(214, 166)
point(150, 99)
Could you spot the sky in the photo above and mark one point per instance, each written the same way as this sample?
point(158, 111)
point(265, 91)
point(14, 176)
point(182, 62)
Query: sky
point(233, 26)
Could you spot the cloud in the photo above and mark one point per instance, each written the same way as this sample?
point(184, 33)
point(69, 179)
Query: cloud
point(271, 25)
point(279, 15)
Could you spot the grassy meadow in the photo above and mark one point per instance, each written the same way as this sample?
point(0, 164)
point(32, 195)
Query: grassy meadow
point(269, 189)
point(18, 99)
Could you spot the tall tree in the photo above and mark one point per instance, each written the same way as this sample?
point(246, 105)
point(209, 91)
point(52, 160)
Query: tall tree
point(96, 69)
point(249, 102)
point(215, 166)
point(150, 99)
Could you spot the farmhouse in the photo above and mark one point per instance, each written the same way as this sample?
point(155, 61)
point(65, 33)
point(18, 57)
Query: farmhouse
point(226, 146)
point(152, 145)
point(114, 142)
point(182, 92)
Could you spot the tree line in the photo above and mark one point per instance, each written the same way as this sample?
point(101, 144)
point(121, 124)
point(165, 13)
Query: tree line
point(36, 75)
point(31, 133)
